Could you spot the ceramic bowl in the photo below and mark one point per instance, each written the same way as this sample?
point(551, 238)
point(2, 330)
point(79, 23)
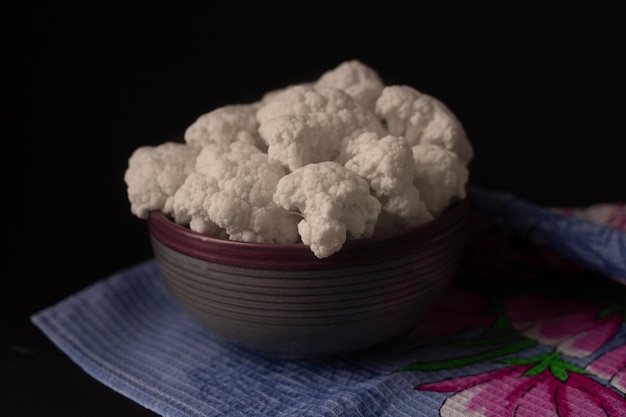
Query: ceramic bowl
point(281, 299)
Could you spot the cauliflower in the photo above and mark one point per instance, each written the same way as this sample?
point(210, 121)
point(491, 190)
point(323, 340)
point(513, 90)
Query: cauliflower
point(191, 203)
point(304, 124)
point(387, 165)
point(303, 99)
point(225, 125)
point(155, 173)
point(231, 192)
point(355, 78)
point(333, 201)
point(439, 175)
point(421, 118)
point(319, 162)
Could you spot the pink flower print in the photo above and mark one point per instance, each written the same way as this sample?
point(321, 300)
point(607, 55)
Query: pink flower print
point(538, 387)
point(611, 367)
point(577, 328)
point(459, 310)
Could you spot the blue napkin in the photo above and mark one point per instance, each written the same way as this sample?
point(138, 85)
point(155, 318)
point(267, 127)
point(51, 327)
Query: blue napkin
point(475, 350)
point(594, 245)
point(128, 333)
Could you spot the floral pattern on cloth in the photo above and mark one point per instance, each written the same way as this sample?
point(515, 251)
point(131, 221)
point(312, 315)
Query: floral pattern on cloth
point(550, 383)
point(547, 332)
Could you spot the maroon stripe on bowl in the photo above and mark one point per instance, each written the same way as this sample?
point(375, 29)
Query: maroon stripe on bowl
point(299, 256)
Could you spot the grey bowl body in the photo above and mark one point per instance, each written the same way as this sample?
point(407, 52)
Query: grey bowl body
point(282, 300)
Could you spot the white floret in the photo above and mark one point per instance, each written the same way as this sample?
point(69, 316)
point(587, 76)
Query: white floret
point(304, 125)
point(387, 165)
point(276, 93)
point(222, 161)
point(232, 189)
point(439, 175)
point(303, 99)
point(355, 78)
point(421, 118)
point(225, 125)
point(192, 202)
point(155, 173)
point(398, 212)
point(335, 203)
point(298, 140)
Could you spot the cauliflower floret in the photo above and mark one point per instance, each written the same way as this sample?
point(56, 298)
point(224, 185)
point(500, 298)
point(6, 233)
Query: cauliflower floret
point(297, 140)
point(356, 79)
point(398, 211)
point(155, 173)
point(304, 125)
point(191, 203)
point(222, 161)
point(335, 203)
point(421, 118)
point(276, 93)
point(439, 175)
point(225, 125)
point(232, 189)
point(387, 165)
point(303, 99)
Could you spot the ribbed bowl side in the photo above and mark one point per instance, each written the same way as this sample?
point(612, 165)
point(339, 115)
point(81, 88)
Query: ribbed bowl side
point(314, 312)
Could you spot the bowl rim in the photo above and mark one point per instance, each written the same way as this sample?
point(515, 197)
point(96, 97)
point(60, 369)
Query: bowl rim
point(279, 256)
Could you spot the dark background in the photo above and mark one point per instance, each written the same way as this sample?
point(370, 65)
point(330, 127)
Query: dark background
point(539, 88)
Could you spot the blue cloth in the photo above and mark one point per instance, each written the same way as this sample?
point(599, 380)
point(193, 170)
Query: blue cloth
point(594, 245)
point(128, 333)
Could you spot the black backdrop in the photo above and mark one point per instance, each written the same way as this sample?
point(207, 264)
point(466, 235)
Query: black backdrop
point(539, 88)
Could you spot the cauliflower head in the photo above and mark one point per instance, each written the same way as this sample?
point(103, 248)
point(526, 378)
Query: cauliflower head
point(155, 173)
point(387, 165)
point(439, 175)
point(225, 125)
point(231, 191)
point(335, 204)
point(191, 204)
point(355, 78)
point(304, 124)
point(421, 118)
